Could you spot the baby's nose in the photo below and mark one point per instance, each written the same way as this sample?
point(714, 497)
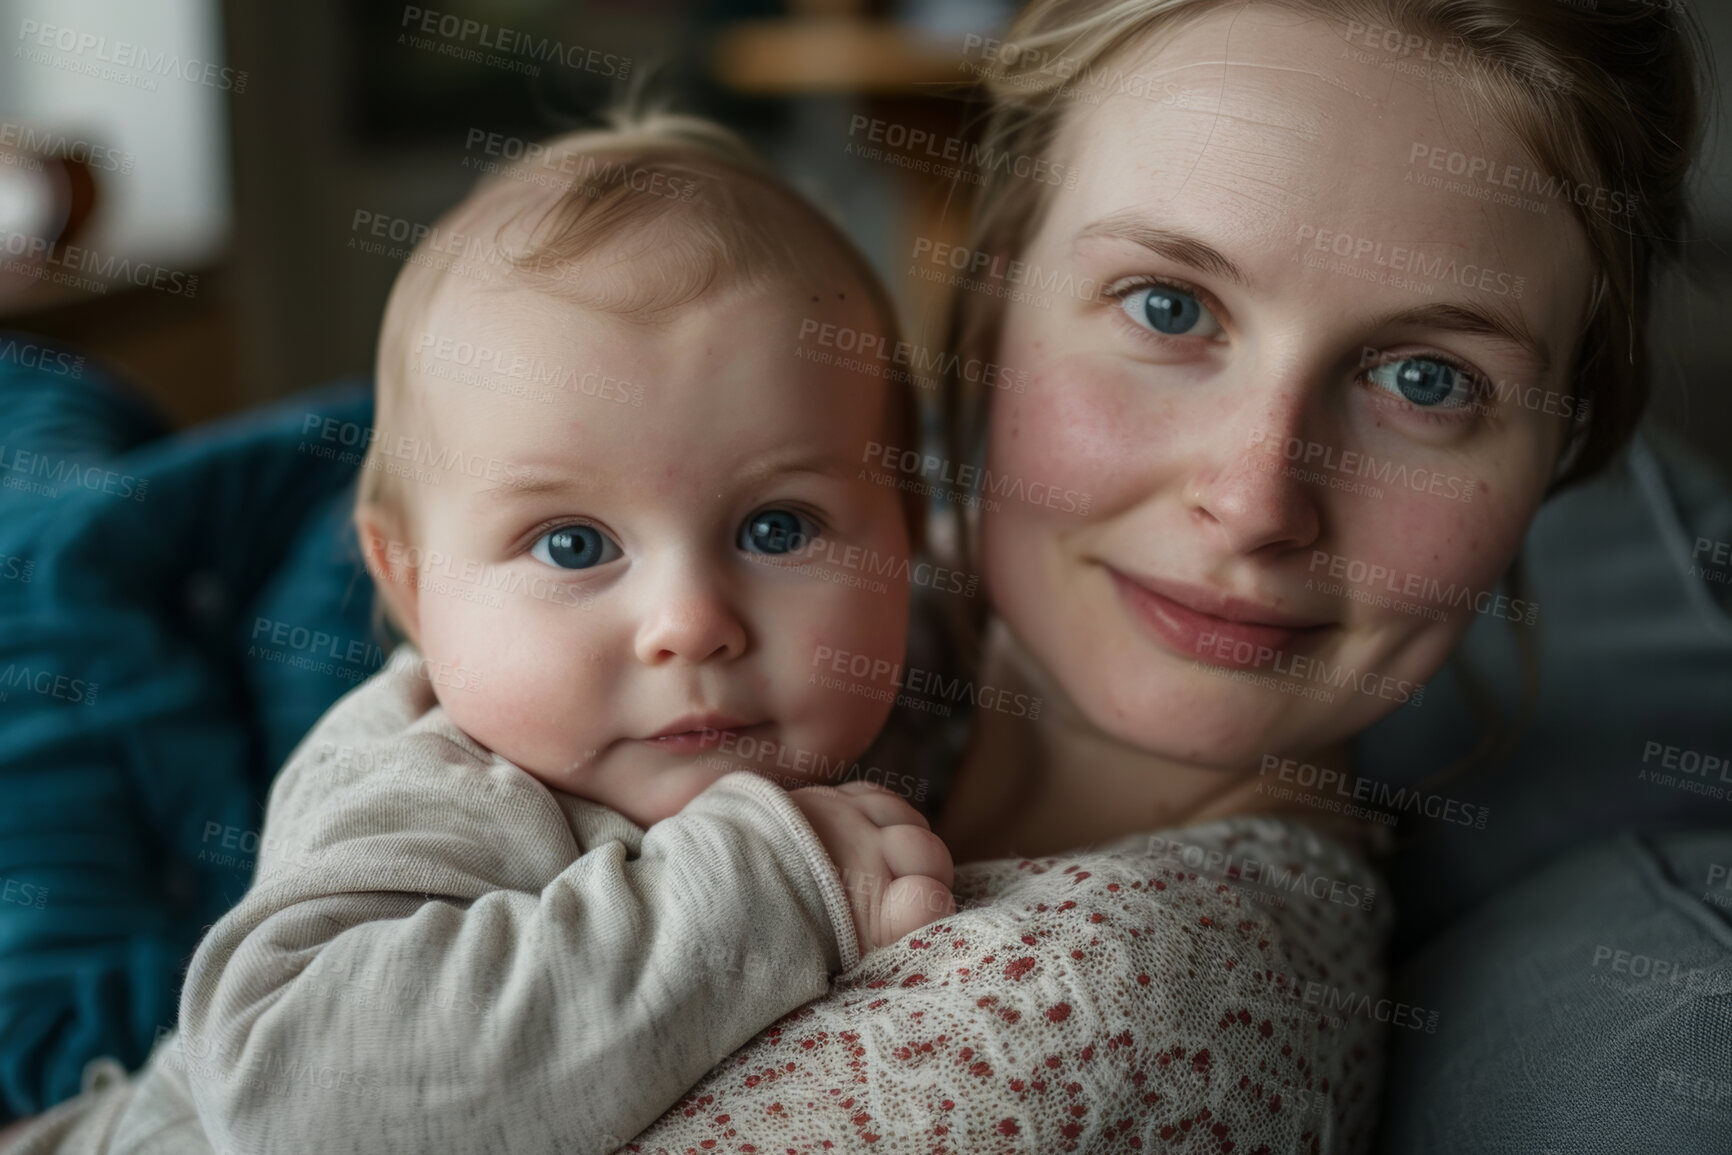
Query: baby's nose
point(691, 619)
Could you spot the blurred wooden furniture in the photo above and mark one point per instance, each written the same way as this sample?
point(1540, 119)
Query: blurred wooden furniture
point(180, 348)
point(838, 54)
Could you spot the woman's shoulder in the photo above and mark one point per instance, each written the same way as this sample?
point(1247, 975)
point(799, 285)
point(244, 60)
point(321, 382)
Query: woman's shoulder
point(1219, 840)
point(1250, 840)
point(1093, 1001)
point(1296, 880)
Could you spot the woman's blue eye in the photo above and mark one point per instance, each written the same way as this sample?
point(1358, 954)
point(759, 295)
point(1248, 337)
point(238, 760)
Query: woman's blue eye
point(776, 531)
point(1426, 382)
point(1170, 311)
point(574, 547)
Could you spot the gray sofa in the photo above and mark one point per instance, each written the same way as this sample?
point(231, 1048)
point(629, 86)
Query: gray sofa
point(1578, 948)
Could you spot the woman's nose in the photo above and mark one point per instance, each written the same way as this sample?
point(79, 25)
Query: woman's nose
point(1248, 490)
point(690, 618)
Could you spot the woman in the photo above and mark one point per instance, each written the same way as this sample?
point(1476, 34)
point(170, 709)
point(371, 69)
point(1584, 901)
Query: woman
point(1327, 289)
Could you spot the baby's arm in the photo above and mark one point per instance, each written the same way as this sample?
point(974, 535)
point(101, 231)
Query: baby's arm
point(425, 962)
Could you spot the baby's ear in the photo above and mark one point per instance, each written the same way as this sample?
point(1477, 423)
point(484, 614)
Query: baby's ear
point(393, 564)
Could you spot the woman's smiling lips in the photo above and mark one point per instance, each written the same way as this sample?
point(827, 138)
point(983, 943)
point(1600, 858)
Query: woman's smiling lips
point(1197, 622)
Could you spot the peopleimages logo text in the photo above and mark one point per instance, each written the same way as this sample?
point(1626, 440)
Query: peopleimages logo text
point(1406, 259)
point(125, 54)
point(509, 41)
point(1351, 463)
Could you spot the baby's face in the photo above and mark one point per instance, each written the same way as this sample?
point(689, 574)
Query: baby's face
point(644, 592)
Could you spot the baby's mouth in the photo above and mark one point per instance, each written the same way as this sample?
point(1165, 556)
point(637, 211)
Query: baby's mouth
point(695, 734)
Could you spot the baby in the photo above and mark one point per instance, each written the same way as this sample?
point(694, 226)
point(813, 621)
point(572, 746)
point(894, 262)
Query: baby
point(623, 559)
point(520, 890)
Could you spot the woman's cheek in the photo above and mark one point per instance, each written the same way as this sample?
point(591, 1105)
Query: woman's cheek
point(1049, 436)
point(1099, 429)
point(1433, 565)
point(1052, 435)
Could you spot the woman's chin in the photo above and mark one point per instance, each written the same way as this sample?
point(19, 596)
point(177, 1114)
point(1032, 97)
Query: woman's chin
point(1204, 715)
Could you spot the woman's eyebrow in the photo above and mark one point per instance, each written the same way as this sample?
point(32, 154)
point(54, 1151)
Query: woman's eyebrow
point(1505, 324)
point(1169, 243)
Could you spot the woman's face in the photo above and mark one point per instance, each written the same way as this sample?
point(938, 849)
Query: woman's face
point(1299, 343)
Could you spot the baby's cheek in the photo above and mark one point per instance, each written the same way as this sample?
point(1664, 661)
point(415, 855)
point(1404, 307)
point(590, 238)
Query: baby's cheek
point(844, 665)
point(537, 702)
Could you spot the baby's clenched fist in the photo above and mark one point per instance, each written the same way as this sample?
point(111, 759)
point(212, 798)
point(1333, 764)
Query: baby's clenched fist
point(896, 871)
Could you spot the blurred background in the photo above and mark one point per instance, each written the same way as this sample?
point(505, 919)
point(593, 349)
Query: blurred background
point(211, 158)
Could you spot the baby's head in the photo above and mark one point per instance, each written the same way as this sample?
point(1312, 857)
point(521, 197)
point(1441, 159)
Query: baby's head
point(619, 512)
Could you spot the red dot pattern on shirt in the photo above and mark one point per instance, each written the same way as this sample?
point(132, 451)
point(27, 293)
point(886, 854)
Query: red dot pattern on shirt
point(1132, 1006)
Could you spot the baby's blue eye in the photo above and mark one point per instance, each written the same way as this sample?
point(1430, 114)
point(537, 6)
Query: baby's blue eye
point(776, 531)
point(574, 547)
point(1170, 311)
point(1424, 381)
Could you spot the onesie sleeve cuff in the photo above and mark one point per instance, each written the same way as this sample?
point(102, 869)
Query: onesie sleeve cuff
point(745, 796)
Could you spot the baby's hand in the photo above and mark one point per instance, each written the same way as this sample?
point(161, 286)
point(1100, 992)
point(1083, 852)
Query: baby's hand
point(896, 871)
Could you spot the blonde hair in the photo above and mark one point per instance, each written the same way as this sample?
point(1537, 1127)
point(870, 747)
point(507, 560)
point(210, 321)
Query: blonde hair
point(681, 208)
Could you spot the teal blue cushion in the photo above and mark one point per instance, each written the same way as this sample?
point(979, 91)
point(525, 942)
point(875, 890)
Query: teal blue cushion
point(137, 734)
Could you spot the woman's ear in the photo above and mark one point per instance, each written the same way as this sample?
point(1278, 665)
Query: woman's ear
point(393, 564)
